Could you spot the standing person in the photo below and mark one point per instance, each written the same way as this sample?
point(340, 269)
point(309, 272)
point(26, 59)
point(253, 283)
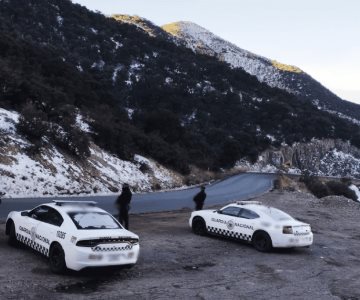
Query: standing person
point(199, 198)
point(123, 204)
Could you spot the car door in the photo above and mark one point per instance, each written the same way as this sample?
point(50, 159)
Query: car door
point(223, 221)
point(245, 222)
point(28, 227)
point(48, 229)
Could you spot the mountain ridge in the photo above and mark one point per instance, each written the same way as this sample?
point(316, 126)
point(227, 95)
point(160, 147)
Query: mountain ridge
point(274, 73)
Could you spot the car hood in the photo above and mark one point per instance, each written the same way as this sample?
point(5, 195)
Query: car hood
point(203, 212)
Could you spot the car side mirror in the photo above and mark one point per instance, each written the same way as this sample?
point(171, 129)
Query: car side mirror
point(219, 211)
point(25, 213)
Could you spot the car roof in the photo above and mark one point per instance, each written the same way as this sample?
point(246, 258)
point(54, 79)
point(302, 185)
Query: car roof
point(73, 206)
point(264, 211)
point(254, 205)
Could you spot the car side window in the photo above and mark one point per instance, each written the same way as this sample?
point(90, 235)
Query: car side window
point(54, 217)
point(248, 214)
point(39, 213)
point(47, 214)
point(231, 211)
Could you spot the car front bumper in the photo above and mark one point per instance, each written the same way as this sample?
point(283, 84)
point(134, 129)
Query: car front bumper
point(78, 258)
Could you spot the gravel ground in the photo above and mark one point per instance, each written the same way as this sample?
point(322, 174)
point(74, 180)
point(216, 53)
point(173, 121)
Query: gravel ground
point(177, 264)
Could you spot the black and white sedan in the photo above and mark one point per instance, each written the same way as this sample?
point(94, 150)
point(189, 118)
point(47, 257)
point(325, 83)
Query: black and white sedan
point(74, 235)
point(263, 226)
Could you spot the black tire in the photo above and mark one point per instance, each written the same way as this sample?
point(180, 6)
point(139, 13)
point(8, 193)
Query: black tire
point(199, 226)
point(12, 235)
point(262, 241)
point(129, 266)
point(57, 259)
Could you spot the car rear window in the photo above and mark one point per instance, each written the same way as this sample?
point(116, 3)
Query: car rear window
point(93, 220)
point(277, 214)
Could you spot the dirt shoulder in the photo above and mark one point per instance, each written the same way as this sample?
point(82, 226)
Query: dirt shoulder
point(175, 263)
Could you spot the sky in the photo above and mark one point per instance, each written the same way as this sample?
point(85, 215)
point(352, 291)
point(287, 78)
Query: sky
point(322, 37)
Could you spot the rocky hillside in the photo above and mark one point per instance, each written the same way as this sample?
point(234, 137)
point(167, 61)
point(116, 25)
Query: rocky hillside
point(320, 157)
point(275, 74)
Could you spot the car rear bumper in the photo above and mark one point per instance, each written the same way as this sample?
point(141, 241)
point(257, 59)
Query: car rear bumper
point(291, 240)
point(83, 257)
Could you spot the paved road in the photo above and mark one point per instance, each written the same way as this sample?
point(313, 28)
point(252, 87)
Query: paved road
point(238, 187)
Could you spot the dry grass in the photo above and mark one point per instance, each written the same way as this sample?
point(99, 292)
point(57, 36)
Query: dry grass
point(285, 183)
point(172, 28)
point(284, 67)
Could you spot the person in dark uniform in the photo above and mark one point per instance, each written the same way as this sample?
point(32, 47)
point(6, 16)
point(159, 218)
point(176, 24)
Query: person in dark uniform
point(199, 198)
point(123, 204)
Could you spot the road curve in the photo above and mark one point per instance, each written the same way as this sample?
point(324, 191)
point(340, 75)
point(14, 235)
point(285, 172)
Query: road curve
point(238, 187)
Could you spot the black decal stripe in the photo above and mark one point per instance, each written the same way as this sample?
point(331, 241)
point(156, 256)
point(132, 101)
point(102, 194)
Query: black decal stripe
point(114, 248)
point(228, 233)
point(32, 244)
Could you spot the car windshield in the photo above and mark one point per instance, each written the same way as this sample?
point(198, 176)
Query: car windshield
point(277, 214)
point(93, 220)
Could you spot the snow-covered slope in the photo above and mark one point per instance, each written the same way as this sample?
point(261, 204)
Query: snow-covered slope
point(275, 74)
point(55, 173)
point(266, 70)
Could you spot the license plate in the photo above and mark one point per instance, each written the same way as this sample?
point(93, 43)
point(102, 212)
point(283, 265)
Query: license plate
point(114, 257)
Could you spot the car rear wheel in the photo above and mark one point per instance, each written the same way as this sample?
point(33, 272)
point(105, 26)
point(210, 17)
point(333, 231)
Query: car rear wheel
point(57, 259)
point(199, 226)
point(12, 235)
point(262, 241)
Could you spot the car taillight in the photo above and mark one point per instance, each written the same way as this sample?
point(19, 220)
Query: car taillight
point(95, 242)
point(287, 230)
point(133, 241)
point(87, 243)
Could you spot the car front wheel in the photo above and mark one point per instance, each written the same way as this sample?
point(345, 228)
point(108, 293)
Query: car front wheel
point(12, 235)
point(57, 259)
point(199, 226)
point(262, 241)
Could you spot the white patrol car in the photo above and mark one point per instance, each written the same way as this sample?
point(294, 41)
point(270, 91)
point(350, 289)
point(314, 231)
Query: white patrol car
point(74, 235)
point(265, 227)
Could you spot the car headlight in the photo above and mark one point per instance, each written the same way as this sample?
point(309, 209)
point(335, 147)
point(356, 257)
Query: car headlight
point(287, 230)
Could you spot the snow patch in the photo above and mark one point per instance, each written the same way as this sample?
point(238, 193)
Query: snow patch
point(116, 70)
point(117, 44)
point(133, 71)
point(79, 67)
point(271, 137)
point(130, 112)
point(98, 65)
point(356, 190)
point(8, 121)
point(81, 124)
point(60, 20)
